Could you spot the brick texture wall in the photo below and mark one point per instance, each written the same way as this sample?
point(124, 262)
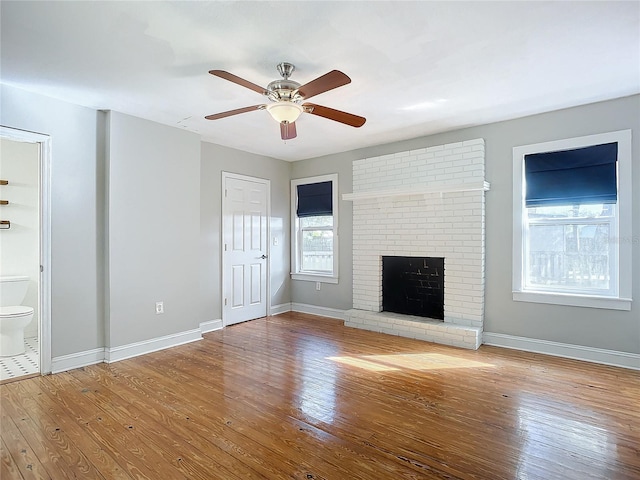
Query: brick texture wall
point(400, 221)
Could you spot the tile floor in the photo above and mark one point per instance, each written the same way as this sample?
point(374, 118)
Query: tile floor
point(20, 365)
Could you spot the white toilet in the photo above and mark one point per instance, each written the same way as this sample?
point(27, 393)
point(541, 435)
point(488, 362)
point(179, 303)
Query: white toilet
point(13, 316)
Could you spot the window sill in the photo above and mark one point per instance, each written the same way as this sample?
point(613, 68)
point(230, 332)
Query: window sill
point(310, 277)
point(609, 303)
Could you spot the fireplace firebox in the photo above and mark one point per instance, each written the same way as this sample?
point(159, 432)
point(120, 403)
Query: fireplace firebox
point(413, 286)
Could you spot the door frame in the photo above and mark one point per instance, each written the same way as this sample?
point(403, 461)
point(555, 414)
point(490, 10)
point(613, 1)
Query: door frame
point(223, 261)
point(44, 283)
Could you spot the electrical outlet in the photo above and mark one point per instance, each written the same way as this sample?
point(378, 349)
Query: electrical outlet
point(159, 308)
point(318, 285)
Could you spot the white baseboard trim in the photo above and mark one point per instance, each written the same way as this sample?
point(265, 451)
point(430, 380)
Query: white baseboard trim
point(282, 308)
point(77, 360)
point(577, 352)
point(152, 345)
point(110, 355)
point(316, 310)
point(211, 325)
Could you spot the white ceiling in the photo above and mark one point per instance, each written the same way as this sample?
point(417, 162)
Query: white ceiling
point(416, 67)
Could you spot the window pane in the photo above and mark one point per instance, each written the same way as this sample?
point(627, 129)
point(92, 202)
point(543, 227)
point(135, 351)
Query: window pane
point(317, 250)
point(570, 256)
point(318, 221)
point(572, 211)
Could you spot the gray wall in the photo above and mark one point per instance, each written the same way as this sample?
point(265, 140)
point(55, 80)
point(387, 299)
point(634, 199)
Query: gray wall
point(338, 295)
point(598, 328)
point(215, 160)
point(76, 214)
point(132, 226)
point(146, 195)
point(153, 229)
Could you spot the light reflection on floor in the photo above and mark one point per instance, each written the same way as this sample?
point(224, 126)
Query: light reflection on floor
point(411, 361)
point(318, 395)
point(547, 435)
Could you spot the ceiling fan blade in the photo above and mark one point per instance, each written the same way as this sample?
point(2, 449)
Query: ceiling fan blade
point(336, 115)
point(216, 116)
point(288, 130)
point(240, 81)
point(326, 82)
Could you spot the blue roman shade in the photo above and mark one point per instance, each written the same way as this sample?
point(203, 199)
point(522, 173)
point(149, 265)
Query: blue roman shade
point(315, 199)
point(582, 175)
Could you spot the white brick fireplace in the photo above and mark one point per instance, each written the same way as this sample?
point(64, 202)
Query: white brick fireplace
point(421, 203)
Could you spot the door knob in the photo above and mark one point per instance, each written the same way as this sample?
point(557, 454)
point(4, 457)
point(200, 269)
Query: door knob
point(263, 256)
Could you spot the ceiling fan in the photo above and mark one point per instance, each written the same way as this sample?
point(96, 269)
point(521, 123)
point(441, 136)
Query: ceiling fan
point(288, 99)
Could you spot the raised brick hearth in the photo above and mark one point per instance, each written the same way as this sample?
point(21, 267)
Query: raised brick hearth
point(421, 203)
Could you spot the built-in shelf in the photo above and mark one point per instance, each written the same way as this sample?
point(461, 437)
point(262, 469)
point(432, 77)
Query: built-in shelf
point(4, 202)
point(4, 182)
point(5, 224)
point(404, 192)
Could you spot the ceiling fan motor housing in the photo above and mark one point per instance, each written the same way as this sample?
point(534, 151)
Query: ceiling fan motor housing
point(284, 91)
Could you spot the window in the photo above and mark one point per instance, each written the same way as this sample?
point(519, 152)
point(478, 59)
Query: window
point(572, 222)
point(314, 225)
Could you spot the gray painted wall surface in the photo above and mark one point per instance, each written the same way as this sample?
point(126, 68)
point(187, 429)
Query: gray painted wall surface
point(76, 306)
point(79, 224)
point(606, 329)
point(338, 295)
point(154, 229)
point(215, 160)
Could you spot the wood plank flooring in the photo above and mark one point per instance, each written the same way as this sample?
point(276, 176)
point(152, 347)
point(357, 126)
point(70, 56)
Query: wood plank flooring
point(302, 397)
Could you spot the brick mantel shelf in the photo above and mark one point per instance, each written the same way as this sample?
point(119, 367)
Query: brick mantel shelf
point(401, 192)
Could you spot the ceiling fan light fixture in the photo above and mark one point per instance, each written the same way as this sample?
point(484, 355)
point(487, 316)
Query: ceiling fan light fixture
point(287, 99)
point(284, 111)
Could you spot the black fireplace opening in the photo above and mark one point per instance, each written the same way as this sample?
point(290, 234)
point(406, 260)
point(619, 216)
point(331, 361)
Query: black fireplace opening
point(413, 286)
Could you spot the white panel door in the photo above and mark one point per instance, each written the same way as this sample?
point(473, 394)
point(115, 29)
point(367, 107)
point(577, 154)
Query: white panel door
point(244, 237)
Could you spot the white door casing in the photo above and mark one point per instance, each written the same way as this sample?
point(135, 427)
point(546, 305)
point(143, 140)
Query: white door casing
point(245, 264)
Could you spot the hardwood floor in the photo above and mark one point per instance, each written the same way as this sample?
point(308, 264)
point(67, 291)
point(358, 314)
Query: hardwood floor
point(302, 397)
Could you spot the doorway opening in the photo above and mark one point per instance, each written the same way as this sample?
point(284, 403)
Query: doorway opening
point(25, 313)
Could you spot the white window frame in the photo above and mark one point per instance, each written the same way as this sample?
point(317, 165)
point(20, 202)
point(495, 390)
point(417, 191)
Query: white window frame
point(620, 300)
point(296, 273)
